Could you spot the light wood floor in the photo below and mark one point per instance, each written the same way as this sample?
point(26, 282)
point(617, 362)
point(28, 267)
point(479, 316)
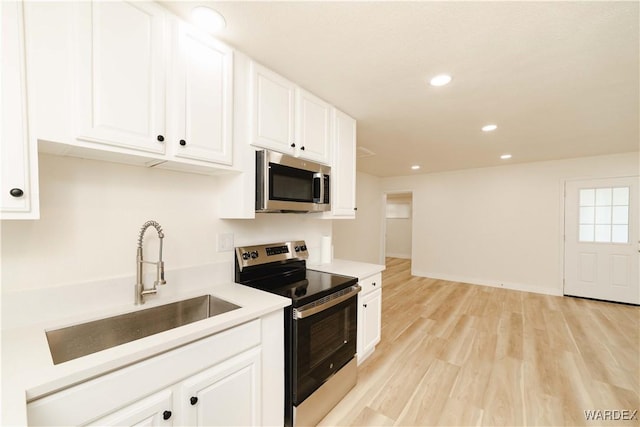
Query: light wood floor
point(458, 355)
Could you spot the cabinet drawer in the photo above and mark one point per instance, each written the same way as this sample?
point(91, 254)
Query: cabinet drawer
point(87, 401)
point(371, 283)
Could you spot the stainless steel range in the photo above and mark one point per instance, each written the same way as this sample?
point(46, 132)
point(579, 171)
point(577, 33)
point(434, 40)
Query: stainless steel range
point(320, 326)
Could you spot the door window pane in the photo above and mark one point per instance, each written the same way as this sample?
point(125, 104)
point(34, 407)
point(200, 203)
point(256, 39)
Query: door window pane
point(619, 233)
point(587, 233)
point(588, 197)
point(608, 209)
point(603, 196)
point(603, 215)
point(603, 233)
point(620, 215)
point(588, 215)
point(621, 196)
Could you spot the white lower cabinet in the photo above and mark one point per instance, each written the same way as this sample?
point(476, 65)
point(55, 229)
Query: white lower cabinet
point(216, 381)
point(369, 316)
point(155, 410)
point(224, 395)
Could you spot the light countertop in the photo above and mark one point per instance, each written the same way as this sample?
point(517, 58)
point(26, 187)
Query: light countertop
point(357, 269)
point(28, 371)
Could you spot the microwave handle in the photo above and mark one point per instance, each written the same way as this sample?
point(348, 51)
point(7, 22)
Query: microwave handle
point(318, 177)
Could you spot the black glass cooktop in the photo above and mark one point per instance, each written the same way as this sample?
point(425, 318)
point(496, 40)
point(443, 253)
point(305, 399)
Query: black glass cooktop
point(314, 286)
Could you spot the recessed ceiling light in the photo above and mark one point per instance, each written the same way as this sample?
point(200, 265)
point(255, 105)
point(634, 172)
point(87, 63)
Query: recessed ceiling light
point(207, 19)
point(440, 80)
point(415, 167)
point(505, 156)
point(489, 128)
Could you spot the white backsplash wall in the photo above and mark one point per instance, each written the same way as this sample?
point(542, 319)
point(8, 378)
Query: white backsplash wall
point(92, 211)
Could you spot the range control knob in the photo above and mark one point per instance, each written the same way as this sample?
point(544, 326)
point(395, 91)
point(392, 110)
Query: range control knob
point(297, 248)
point(303, 248)
point(246, 256)
point(254, 254)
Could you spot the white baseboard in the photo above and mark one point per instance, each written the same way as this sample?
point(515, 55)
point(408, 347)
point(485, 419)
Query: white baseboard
point(396, 255)
point(491, 283)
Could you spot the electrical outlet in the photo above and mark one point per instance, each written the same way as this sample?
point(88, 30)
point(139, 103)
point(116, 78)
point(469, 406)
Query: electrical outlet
point(225, 242)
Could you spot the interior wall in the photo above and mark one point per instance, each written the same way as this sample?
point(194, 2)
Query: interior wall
point(361, 239)
point(92, 211)
point(499, 226)
point(398, 230)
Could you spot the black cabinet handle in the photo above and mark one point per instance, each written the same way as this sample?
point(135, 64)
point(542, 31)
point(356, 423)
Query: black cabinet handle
point(364, 305)
point(183, 142)
point(193, 400)
point(293, 145)
point(355, 209)
point(16, 192)
point(166, 415)
point(160, 138)
point(302, 148)
point(374, 283)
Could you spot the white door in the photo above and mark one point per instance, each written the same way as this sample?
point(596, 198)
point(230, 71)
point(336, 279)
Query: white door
point(122, 74)
point(227, 394)
point(343, 170)
point(203, 101)
point(273, 110)
point(313, 127)
point(155, 410)
point(601, 239)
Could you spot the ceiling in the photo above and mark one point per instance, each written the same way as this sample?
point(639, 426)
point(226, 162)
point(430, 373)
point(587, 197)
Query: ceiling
point(559, 79)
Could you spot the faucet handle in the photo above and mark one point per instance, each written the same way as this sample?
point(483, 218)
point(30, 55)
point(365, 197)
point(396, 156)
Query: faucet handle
point(160, 274)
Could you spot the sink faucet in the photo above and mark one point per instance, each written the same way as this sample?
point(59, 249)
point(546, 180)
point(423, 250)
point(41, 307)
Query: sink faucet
point(140, 289)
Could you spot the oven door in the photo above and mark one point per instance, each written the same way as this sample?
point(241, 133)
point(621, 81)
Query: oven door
point(324, 340)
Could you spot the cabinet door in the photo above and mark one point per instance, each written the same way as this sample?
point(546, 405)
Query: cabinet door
point(122, 74)
point(203, 104)
point(369, 323)
point(18, 152)
point(227, 394)
point(272, 110)
point(313, 127)
point(343, 172)
point(155, 410)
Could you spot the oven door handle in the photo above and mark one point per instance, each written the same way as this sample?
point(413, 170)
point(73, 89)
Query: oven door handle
point(314, 309)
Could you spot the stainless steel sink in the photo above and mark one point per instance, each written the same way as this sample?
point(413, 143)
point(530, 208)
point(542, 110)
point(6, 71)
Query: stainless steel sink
point(80, 340)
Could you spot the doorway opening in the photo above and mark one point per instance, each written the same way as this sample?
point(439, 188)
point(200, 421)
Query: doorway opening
point(398, 225)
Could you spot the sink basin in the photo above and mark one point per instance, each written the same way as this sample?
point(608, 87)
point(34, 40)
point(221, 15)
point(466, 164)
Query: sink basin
point(80, 340)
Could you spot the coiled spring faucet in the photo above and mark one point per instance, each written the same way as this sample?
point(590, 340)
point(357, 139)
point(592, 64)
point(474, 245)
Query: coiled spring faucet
point(140, 289)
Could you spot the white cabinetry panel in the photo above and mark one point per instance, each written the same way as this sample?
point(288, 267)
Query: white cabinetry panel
point(225, 395)
point(343, 172)
point(155, 410)
point(122, 74)
point(313, 127)
point(272, 110)
point(18, 150)
point(203, 104)
point(102, 396)
point(369, 316)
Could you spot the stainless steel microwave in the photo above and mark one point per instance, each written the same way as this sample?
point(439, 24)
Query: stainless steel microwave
point(289, 184)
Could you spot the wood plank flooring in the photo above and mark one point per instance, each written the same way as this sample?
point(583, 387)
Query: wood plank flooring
point(454, 354)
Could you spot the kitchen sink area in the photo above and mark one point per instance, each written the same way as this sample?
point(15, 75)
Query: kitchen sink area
point(79, 340)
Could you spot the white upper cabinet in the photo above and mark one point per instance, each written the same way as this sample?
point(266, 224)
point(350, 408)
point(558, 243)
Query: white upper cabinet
point(127, 81)
point(288, 119)
point(313, 127)
point(18, 149)
point(343, 172)
point(272, 110)
point(121, 78)
point(203, 88)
